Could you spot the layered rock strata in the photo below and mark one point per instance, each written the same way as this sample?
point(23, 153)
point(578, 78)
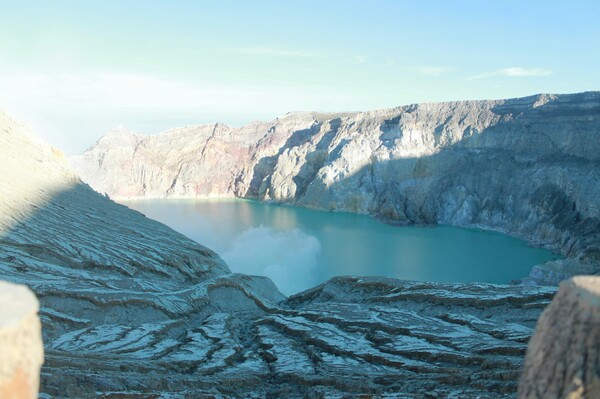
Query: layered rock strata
point(350, 336)
point(527, 166)
point(130, 308)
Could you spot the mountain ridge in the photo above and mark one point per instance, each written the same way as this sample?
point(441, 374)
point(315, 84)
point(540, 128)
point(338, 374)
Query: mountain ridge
point(525, 166)
point(539, 96)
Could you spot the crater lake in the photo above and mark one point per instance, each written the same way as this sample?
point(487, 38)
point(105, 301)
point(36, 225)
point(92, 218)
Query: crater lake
point(300, 248)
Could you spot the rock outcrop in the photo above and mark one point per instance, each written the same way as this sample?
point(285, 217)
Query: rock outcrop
point(130, 308)
point(563, 359)
point(528, 166)
point(21, 349)
point(349, 336)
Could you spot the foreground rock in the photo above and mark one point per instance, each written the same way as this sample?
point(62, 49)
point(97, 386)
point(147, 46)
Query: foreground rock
point(563, 359)
point(21, 349)
point(528, 166)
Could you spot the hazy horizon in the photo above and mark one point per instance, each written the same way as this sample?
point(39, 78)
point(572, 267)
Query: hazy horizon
point(77, 70)
point(250, 121)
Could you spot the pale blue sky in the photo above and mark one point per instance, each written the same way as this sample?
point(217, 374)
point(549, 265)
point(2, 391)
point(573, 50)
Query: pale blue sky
point(74, 69)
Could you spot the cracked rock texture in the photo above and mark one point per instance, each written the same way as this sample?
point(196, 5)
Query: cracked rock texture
point(529, 167)
point(132, 309)
point(563, 359)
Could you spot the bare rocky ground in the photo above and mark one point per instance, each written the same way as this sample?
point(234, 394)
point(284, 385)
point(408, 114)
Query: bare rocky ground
point(131, 309)
point(350, 336)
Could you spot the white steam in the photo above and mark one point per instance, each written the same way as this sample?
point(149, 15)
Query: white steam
point(289, 258)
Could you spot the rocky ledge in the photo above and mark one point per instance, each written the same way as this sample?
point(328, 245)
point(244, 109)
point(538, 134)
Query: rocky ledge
point(529, 167)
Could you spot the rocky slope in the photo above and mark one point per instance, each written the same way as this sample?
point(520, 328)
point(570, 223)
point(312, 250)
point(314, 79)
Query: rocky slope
point(130, 308)
point(528, 166)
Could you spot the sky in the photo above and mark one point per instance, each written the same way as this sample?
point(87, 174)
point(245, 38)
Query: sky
point(75, 69)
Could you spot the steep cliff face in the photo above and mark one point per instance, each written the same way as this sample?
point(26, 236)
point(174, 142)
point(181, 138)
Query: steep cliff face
point(195, 161)
point(528, 166)
point(130, 308)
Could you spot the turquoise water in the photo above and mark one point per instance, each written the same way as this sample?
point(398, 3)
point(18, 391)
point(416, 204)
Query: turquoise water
point(300, 248)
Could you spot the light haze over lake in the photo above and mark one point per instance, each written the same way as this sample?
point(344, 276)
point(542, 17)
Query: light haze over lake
point(300, 248)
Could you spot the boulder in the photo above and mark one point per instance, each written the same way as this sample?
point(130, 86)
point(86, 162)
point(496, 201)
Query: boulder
point(563, 358)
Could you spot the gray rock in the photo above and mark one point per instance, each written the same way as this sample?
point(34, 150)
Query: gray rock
point(563, 357)
point(528, 167)
point(347, 337)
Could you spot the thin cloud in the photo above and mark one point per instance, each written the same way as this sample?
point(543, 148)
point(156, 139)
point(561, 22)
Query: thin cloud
point(126, 91)
point(513, 72)
point(434, 70)
point(359, 58)
point(275, 52)
point(143, 93)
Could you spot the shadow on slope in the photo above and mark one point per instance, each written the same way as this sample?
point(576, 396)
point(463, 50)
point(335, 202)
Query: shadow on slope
point(113, 283)
point(264, 168)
